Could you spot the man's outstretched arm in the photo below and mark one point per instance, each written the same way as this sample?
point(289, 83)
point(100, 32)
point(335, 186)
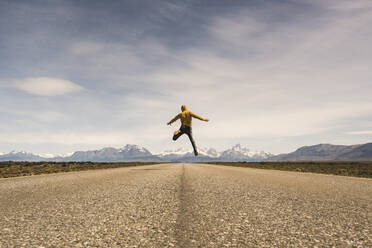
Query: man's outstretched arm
point(174, 119)
point(198, 117)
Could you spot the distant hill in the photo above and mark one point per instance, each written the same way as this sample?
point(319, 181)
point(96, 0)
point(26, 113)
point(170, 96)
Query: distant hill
point(362, 152)
point(324, 152)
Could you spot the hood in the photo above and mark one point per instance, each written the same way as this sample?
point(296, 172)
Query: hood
point(183, 108)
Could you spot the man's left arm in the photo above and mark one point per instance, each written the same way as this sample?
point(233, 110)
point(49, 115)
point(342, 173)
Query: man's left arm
point(198, 117)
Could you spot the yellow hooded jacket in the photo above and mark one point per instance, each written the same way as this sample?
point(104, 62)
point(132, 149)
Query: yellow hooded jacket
point(186, 117)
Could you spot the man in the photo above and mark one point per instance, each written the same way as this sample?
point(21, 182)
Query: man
point(186, 123)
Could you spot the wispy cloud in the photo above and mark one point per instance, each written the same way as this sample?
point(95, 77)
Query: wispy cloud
point(363, 132)
point(89, 139)
point(45, 86)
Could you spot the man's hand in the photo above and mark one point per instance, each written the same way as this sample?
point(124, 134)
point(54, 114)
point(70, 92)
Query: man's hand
point(206, 120)
point(169, 123)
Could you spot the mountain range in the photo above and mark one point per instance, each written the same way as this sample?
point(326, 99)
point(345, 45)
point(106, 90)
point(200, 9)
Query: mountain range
point(138, 153)
point(321, 152)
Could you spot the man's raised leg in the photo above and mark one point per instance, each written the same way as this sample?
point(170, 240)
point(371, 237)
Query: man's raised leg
point(177, 134)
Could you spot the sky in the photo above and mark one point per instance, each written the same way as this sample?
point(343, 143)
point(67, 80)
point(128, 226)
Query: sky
point(270, 75)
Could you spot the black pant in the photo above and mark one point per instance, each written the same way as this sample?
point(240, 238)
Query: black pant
point(187, 130)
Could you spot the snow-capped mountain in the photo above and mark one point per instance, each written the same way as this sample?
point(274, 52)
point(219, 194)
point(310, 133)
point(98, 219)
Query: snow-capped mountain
point(210, 152)
point(134, 151)
point(187, 155)
point(172, 155)
point(239, 153)
point(20, 156)
point(236, 153)
point(182, 152)
point(110, 154)
point(49, 155)
point(138, 153)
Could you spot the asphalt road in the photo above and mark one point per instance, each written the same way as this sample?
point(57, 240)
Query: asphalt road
point(185, 205)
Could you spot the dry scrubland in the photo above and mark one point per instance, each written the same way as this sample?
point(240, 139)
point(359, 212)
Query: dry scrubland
point(16, 169)
point(354, 169)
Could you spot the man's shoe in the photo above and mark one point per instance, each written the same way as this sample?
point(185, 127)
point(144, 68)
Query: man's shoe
point(196, 153)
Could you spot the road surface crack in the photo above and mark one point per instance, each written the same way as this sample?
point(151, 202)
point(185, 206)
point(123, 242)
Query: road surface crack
point(181, 223)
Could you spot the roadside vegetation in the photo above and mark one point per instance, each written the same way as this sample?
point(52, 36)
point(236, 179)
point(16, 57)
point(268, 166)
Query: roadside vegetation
point(354, 169)
point(16, 169)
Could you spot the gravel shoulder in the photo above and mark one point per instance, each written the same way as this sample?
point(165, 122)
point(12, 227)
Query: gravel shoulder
point(185, 205)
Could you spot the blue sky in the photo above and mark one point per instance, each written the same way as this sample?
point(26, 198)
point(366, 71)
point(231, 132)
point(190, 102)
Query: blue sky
point(271, 75)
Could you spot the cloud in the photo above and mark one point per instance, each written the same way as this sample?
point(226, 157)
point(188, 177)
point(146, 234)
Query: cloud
point(92, 139)
point(364, 132)
point(45, 86)
point(289, 70)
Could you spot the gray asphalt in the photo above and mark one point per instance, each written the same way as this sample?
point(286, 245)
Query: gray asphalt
point(185, 205)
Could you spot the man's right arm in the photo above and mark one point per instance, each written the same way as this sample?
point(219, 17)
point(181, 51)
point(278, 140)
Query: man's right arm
point(174, 119)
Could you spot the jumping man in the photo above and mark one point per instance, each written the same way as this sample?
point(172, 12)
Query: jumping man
point(186, 123)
